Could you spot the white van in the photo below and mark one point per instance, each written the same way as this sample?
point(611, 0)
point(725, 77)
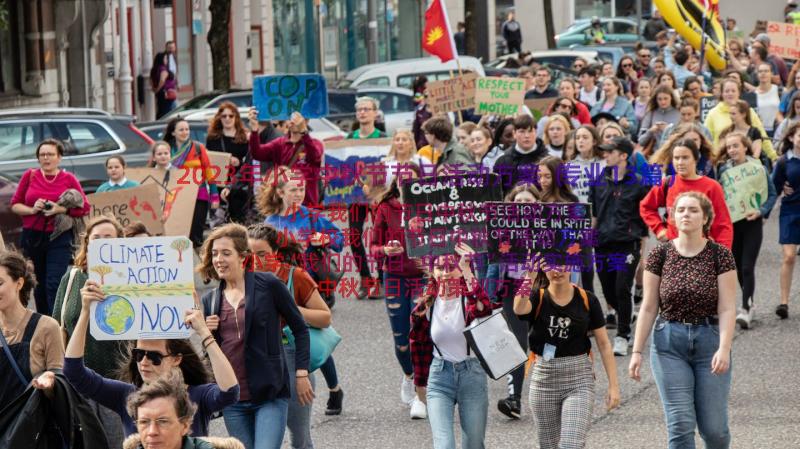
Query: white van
point(402, 73)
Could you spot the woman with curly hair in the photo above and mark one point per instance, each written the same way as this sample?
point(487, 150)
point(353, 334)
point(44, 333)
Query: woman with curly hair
point(694, 132)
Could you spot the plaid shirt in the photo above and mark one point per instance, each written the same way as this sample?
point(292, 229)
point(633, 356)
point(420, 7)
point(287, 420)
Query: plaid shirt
point(420, 335)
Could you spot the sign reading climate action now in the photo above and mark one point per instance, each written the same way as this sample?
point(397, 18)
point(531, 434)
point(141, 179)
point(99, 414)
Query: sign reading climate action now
point(499, 96)
point(517, 230)
point(440, 212)
point(148, 283)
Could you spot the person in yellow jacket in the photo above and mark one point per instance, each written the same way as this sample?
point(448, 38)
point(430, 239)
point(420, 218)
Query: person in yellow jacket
point(719, 117)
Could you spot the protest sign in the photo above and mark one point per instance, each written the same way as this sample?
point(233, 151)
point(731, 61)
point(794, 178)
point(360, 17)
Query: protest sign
point(348, 163)
point(220, 166)
point(706, 105)
point(148, 284)
point(524, 229)
point(451, 95)
point(177, 193)
point(784, 40)
point(443, 211)
point(2, 242)
point(277, 96)
point(499, 96)
point(539, 106)
point(745, 188)
point(140, 203)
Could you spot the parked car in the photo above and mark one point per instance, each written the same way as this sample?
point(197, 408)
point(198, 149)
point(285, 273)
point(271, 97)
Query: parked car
point(563, 58)
point(396, 105)
point(211, 100)
point(614, 52)
point(616, 30)
point(198, 130)
point(10, 223)
point(403, 72)
point(90, 136)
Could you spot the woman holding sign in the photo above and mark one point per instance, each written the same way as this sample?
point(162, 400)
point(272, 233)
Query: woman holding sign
point(246, 314)
point(148, 361)
point(191, 157)
point(443, 365)
point(748, 230)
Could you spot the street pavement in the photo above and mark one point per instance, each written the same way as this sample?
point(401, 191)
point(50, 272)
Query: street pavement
point(764, 403)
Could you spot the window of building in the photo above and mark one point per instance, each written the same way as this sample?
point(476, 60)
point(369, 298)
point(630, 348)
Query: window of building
point(9, 53)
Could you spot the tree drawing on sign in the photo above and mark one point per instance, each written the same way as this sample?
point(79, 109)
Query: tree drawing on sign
point(102, 270)
point(180, 246)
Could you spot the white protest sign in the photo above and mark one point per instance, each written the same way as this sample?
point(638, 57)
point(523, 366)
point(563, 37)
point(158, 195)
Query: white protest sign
point(148, 284)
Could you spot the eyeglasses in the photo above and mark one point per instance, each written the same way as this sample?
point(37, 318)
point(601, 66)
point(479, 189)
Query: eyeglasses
point(153, 356)
point(564, 105)
point(644, 55)
point(161, 423)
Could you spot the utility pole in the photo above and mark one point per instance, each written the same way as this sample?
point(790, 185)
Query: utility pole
point(372, 31)
point(124, 78)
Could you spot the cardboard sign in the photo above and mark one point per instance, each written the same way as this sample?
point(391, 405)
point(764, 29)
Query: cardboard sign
point(784, 39)
point(517, 231)
point(452, 95)
point(277, 96)
point(539, 106)
point(177, 192)
point(745, 188)
point(347, 163)
point(141, 203)
point(499, 96)
point(220, 167)
point(148, 283)
point(2, 242)
point(443, 211)
point(706, 105)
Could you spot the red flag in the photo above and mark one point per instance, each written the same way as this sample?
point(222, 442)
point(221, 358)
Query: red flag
point(437, 38)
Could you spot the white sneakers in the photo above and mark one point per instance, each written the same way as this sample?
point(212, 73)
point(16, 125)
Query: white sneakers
point(407, 391)
point(744, 318)
point(620, 346)
point(418, 409)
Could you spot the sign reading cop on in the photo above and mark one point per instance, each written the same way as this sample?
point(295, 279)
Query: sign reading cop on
point(444, 211)
point(451, 95)
point(149, 285)
point(278, 96)
point(745, 188)
point(519, 230)
point(499, 96)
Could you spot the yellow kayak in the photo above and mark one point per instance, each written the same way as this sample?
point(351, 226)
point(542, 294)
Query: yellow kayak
point(686, 17)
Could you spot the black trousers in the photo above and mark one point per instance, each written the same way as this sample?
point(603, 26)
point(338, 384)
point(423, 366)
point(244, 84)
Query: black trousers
point(747, 238)
point(198, 223)
point(520, 330)
point(356, 216)
point(616, 273)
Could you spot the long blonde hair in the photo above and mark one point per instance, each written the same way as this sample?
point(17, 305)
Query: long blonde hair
point(393, 150)
point(268, 201)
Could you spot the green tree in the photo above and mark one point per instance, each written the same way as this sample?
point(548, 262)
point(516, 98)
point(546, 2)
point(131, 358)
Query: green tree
point(219, 43)
point(102, 270)
point(180, 246)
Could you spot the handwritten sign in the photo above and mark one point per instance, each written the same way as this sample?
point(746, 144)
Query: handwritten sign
point(347, 163)
point(745, 188)
point(140, 203)
point(220, 166)
point(277, 96)
point(443, 211)
point(516, 231)
point(706, 105)
point(499, 96)
point(148, 284)
point(177, 193)
point(453, 94)
point(784, 39)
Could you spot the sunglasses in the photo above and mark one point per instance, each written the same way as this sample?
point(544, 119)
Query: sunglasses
point(627, 66)
point(564, 105)
point(153, 356)
point(227, 115)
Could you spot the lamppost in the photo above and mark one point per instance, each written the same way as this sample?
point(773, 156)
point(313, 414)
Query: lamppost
point(124, 78)
point(148, 112)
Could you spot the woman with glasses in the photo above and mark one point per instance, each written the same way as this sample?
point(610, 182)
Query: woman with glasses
point(563, 106)
point(227, 134)
point(148, 361)
point(569, 88)
point(41, 201)
point(629, 75)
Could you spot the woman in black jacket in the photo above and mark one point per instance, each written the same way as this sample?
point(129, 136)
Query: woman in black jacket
point(245, 313)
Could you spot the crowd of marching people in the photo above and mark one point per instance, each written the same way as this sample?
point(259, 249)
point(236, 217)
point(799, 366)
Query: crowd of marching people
point(630, 141)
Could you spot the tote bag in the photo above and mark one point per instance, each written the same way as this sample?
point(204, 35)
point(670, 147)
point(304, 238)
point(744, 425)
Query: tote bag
point(495, 345)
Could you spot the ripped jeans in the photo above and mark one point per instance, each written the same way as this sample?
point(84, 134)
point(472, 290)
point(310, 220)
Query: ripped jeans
point(398, 307)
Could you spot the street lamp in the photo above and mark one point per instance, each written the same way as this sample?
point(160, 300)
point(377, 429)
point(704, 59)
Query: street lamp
point(124, 79)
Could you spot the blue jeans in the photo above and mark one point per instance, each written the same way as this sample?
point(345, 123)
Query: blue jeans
point(492, 283)
point(463, 384)
point(50, 261)
point(398, 306)
point(299, 416)
point(258, 426)
point(328, 370)
point(692, 396)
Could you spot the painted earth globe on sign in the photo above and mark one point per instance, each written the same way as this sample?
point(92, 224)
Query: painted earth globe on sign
point(114, 316)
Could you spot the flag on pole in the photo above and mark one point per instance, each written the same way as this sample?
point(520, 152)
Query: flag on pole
point(436, 37)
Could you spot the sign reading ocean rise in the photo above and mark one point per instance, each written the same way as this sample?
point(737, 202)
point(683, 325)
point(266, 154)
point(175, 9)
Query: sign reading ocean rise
point(148, 283)
point(278, 96)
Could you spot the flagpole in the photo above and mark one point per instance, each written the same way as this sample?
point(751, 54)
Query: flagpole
point(460, 117)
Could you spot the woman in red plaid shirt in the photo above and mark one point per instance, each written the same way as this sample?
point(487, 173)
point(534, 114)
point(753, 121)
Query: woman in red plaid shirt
point(440, 354)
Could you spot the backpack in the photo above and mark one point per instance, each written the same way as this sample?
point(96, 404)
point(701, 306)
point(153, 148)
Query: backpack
point(532, 355)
